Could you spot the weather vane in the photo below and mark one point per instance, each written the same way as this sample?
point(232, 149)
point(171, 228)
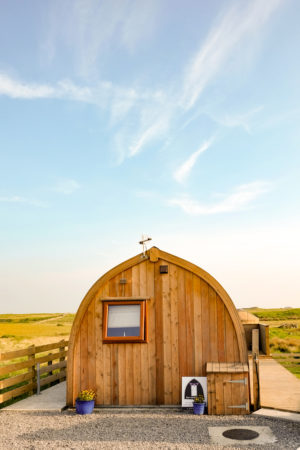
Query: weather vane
point(143, 241)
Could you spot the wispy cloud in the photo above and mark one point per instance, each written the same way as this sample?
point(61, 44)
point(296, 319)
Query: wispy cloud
point(236, 24)
point(22, 200)
point(220, 45)
point(89, 29)
point(66, 187)
point(238, 200)
point(16, 89)
point(183, 171)
point(113, 98)
point(243, 120)
point(150, 133)
point(64, 89)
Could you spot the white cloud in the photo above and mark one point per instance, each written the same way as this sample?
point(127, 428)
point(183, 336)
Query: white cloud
point(236, 24)
point(183, 171)
point(89, 29)
point(63, 89)
point(154, 131)
point(241, 197)
point(22, 200)
point(243, 120)
point(16, 89)
point(66, 186)
point(222, 42)
point(140, 22)
point(116, 99)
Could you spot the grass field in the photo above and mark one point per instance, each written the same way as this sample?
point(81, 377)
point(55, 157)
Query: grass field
point(284, 326)
point(279, 314)
point(21, 330)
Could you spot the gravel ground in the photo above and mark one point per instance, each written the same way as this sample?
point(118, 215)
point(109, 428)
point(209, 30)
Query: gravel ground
point(129, 428)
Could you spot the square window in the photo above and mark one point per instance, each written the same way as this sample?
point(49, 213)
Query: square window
point(124, 321)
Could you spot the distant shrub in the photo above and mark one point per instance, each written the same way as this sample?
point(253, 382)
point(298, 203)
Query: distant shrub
point(279, 345)
point(288, 325)
point(289, 345)
point(7, 336)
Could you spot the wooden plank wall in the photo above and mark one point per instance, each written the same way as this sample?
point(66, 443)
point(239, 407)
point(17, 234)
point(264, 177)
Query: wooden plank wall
point(188, 326)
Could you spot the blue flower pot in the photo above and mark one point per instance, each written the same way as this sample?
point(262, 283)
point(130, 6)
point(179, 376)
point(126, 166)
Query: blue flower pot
point(84, 406)
point(199, 408)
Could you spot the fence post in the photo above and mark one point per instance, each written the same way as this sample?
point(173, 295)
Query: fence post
point(255, 364)
point(50, 364)
point(61, 349)
point(38, 379)
point(31, 357)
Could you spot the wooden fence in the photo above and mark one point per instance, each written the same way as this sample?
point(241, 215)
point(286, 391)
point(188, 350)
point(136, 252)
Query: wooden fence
point(20, 377)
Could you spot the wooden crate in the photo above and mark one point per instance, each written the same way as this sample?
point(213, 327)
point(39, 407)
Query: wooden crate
point(228, 388)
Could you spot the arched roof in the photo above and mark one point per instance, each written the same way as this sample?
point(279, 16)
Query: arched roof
point(154, 254)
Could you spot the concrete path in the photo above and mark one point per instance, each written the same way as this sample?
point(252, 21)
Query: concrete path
point(279, 388)
point(52, 399)
point(275, 414)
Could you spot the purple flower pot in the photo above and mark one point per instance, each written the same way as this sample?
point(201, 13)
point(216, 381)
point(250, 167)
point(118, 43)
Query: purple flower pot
point(84, 406)
point(199, 408)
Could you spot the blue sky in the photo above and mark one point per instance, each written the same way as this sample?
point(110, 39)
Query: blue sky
point(177, 119)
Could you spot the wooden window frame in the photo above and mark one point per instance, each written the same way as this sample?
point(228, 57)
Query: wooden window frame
point(142, 338)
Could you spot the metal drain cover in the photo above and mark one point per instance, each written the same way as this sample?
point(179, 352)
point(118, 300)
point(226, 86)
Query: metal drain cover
point(241, 434)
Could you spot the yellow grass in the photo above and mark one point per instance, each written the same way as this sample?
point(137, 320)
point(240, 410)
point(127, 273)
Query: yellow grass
point(16, 334)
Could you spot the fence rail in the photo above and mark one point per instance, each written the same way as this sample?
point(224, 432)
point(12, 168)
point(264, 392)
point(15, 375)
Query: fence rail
point(21, 377)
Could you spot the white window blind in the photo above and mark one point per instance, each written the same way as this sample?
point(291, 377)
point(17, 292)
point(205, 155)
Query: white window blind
point(123, 316)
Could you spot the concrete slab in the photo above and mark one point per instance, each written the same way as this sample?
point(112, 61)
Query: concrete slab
point(264, 436)
point(276, 414)
point(279, 388)
point(52, 399)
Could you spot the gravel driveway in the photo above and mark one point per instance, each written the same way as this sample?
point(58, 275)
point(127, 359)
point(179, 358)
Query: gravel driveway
point(129, 428)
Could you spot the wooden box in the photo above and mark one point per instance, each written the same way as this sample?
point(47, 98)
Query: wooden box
point(228, 388)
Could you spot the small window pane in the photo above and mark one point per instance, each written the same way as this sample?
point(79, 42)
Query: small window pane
point(124, 320)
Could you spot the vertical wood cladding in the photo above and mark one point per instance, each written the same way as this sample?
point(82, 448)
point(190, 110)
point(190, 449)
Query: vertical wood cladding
point(188, 326)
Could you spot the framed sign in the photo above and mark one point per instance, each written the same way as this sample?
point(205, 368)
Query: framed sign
point(191, 388)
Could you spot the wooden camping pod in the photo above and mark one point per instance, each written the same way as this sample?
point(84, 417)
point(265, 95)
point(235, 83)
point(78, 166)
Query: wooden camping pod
point(190, 321)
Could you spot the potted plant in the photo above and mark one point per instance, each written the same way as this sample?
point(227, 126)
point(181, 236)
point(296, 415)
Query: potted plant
point(85, 401)
point(199, 404)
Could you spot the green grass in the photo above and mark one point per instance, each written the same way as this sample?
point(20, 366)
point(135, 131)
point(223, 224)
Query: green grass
point(284, 342)
point(276, 314)
point(285, 333)
point(25, 318)
point(290, 362)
